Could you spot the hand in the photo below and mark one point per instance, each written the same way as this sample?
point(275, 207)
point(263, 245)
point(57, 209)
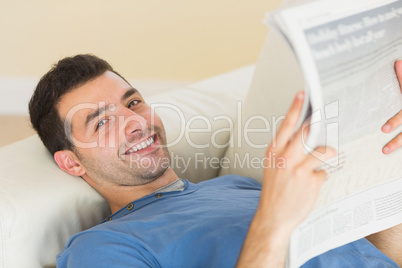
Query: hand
point(395, 121)
point(288, 194)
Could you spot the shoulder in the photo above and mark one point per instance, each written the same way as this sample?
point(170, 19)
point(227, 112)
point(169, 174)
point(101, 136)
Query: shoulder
point(103, 248)
point(233, 181)
point(360, 253)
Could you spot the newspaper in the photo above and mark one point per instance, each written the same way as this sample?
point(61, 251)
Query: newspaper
point(347, 51)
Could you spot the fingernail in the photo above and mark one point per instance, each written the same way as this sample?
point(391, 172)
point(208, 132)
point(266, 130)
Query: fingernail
point(386, 127)
point(386, 149)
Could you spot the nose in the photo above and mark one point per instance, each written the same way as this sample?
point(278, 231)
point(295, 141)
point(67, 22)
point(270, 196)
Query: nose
point(134, 126)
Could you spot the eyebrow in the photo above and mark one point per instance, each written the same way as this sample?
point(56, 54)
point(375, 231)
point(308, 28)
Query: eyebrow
point(97, 112)
point(128, 93)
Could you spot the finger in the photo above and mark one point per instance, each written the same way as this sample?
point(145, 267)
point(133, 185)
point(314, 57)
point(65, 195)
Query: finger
point(317, 157)
point(394, 144)
point(287, 128)
point(392, 123)
point(398, 71)
point(295, 149)
point(321, 175)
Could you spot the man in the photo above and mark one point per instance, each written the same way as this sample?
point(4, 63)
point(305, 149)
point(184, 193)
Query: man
point(159, 220)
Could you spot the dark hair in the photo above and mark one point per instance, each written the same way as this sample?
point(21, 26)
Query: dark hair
point(68, 74)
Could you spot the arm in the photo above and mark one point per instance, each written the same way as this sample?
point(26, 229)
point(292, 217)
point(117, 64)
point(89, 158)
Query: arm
point(389, 242)
point(395, 121)
point(288, 195)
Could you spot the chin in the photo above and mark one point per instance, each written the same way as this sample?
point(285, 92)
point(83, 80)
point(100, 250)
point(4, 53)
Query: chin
point(158, 173)
point(151, 176)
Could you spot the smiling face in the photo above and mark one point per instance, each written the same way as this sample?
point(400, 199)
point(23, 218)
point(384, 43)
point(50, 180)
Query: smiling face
point(117, 137)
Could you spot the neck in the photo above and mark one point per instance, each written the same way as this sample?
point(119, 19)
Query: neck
point(119, 196)
point(389, 242)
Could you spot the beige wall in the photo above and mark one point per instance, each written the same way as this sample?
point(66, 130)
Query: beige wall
point(174, 40)
point(155, 39)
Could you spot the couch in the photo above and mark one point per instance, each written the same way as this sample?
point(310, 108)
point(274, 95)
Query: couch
point(41, 206)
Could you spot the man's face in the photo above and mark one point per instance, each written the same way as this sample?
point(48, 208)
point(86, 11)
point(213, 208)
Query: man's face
point(117, 137)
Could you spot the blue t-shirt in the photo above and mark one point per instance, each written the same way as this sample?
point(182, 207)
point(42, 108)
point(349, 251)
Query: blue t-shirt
point(360, 253)
point(202, 226)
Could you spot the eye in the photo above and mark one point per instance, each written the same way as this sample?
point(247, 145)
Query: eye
point(101, 123)
point(132, 103)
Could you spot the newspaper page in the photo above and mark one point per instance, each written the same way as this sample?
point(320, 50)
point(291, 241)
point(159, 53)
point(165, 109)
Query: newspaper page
point(347, 51)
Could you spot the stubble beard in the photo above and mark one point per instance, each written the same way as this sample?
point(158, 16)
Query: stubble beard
point(132, 170)
point(155, 164)
point(149, 173)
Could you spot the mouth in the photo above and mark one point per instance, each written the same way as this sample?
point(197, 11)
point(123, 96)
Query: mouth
point(144, 145)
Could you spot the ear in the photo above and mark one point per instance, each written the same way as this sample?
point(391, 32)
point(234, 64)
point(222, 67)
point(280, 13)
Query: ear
point(68, 161)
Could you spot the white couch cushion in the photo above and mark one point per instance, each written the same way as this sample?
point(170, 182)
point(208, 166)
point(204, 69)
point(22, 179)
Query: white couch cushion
point(41, 206)
point(210, 102)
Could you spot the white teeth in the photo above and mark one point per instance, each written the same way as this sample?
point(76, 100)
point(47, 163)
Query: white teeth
point(143, 145)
